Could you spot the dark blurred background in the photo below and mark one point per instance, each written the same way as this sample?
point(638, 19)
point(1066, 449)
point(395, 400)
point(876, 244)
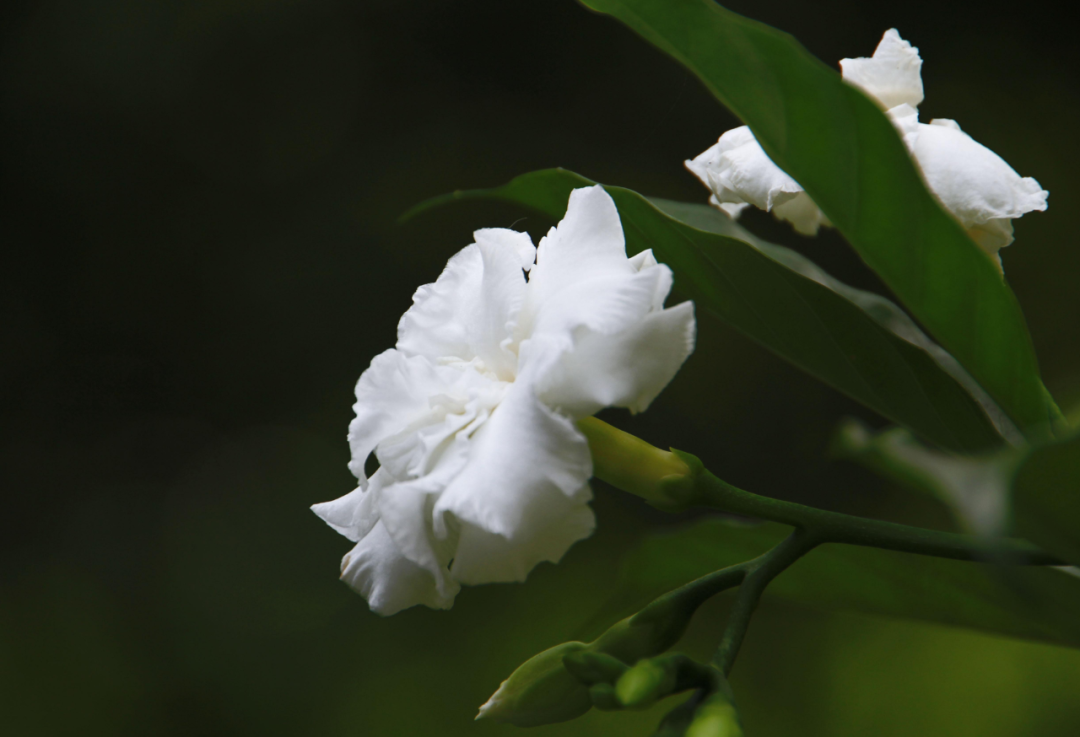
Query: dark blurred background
point(200, 256)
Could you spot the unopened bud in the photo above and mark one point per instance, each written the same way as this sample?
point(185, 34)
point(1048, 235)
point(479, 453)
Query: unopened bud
point(715, 718)
point(632, 465)
point(646, 682)
point(591, 667)
point(540, 691)
point(604, 698)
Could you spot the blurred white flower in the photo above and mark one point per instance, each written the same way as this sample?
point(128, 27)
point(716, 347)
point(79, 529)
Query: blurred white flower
point(972, 182)
point(483, 473)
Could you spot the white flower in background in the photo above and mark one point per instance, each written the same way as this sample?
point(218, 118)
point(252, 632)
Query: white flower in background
point(739, 173)
point(483, 473)
point(972, 182)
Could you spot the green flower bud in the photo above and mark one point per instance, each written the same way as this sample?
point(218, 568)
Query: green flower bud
point(715, 718)
point(589, 667)
point(540, 691)
point(632, 465)
point(604, 698)
point(645, 683)
point(649, 632)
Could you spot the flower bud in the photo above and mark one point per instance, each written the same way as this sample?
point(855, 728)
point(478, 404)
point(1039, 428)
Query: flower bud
point(540, 691)
point(589, 667)
point(715, 718)
point(632, 465)
point(654, 678)
point(645, 683)
point(604, 698)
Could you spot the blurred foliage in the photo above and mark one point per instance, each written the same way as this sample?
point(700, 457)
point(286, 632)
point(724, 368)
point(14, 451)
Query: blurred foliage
point(200, 257)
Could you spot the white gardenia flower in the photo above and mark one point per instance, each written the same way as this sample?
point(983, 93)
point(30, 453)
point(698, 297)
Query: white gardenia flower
point(972, 182)
point(483, 473)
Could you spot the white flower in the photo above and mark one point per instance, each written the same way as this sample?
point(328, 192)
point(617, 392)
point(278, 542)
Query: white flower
point(972, 182)
point(739, 173)
point(892, 76)
point(483, 473)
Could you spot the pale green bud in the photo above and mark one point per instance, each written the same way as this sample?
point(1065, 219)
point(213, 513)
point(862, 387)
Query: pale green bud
point(715, 718)
point(589, 666)
point(632, 465)
point(645, 683)
point(540, 691)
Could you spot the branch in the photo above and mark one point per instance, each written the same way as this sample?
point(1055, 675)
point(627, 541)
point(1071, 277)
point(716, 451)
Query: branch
point(761, 571)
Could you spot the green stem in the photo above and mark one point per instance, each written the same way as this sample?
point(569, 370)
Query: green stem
point(760, 571)
point(689, 597)
point(676, 480)
point(708, 490)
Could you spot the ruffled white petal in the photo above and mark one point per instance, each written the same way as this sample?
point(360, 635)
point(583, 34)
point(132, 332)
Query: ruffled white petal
point(390, 395)
point(665, 279)
point(388, 580)
point(464, 314)
point(628, 369)
point(587, 244)
point(407, 508)
point(486, 557)
point(605, 304)
point(523, 460)
point(583, 279)
point(738, 171)
point(354, 514)
point(974, 183)
point(892, 76)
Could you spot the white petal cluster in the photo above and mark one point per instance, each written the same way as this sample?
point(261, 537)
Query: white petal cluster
point(972, 182)
point(482, 471)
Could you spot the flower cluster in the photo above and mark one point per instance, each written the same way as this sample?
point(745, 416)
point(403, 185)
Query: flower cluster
point(483, 472)
point(972, 182)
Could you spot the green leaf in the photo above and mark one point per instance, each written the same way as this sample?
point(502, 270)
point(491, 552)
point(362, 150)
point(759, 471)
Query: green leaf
point(1046, 499)
point(1039, 603)
point(842, 149)
point(789, 306)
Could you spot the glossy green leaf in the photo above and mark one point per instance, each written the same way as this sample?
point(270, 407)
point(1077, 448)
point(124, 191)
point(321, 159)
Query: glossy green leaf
point(1039, 603)
point(842, 149)
point(785, 303)
point(1046, 499)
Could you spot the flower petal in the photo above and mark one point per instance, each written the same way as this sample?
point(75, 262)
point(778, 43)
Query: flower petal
point(470, 309)
point(737, 170)
point(523, 462)
point(972, 182)
point(354, 514)
point(406, 511)
point(604, 304)
point(485, 557)
point(387, 579)
point(625, 370)
point(390, 395)
point(646, 260)
point(587, 244)
point(803, 214)
point(893, 76)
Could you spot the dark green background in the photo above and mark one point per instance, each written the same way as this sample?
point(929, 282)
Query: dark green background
point(200, 257)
